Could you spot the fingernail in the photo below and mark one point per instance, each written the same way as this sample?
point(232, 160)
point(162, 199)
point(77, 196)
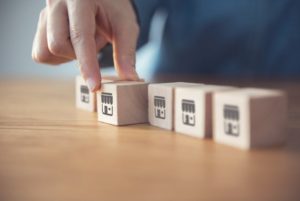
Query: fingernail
point(91, 84)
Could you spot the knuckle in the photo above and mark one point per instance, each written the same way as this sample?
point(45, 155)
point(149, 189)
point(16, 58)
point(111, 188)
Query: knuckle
point(76, 35)
point(41, 56)
point(56, 47)
point(40, 53)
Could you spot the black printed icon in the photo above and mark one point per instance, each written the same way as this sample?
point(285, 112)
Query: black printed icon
point(231, 120)
point(160, 107)
point(188, 112)
point(107, 103)
point(84, 94)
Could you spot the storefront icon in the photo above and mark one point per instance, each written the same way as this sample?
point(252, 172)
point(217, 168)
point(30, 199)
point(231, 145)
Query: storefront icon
point(160, 107)
point(84, 94)
point(188, 112)
point(107, 103)
point(231, 120)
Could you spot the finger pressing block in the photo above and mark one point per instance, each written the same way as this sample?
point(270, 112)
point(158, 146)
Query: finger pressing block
point(193, 109)
point(85, 99)
point(250, 117)
point(123, 103)
point(161, 103)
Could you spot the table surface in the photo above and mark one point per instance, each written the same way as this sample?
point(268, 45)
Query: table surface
point(49, 150)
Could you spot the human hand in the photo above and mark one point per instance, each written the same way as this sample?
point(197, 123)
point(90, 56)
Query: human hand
point(79, 29)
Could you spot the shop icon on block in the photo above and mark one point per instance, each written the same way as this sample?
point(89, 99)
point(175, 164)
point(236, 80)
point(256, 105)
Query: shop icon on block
point(160, 107)
point(188, 112)
point(107, 104)
point(231, 120)
point(85, 94)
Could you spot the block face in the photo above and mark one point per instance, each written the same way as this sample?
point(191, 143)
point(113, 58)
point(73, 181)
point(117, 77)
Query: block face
point(107, 101)
point(84, 98)
point(268, 121)
point(231, 121)
point(133, 104)
point(123, 103)
point(160, 106)
point(190, 112)
point(251, 118)
point(193, 109)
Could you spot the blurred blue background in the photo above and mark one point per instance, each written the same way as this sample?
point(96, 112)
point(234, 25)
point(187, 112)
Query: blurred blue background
point(232, 38)
point(224, 38)
point(18, 22)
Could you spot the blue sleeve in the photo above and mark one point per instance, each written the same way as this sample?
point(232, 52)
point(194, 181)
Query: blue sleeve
point(145, 10)
point(227, 38)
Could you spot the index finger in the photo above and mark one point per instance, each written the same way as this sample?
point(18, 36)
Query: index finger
point(82, 33)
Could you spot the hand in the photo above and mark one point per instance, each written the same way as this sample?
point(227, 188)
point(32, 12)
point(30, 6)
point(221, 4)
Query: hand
point(79, 29)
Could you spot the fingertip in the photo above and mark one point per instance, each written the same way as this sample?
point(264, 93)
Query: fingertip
point(128, 73)
point(132, 76)
point(93, 84)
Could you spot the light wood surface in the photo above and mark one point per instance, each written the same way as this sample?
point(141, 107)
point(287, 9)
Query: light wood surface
point(49, 150)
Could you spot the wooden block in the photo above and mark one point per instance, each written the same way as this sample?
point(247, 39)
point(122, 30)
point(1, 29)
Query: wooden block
point(193, 109)
point(250, 117)
point(161, 103)
point(123, 103)
point(85, 99)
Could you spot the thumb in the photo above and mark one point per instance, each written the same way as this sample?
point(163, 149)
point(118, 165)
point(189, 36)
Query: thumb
point(124, 42)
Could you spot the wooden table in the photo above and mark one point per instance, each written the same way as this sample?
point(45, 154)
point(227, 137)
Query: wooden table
point(49, 150)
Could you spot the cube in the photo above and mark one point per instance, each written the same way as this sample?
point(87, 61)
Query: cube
point(123, 103)
point(193, 109)
point(161, 103)
point(85, 99)
point(249, 118)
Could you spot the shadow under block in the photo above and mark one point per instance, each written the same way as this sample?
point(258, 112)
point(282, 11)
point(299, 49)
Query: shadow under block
point(249, 118)
point(161, 103)
point(193, 113)
point(123, 103)
point(85, 99)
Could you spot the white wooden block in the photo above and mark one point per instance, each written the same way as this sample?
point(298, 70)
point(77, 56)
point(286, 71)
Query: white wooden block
point(85, 99)
point(193, 113)
point(249, 118)
point(123, 103)
point(161, 103)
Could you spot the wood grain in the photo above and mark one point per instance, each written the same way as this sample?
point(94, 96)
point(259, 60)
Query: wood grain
point(49, 150)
